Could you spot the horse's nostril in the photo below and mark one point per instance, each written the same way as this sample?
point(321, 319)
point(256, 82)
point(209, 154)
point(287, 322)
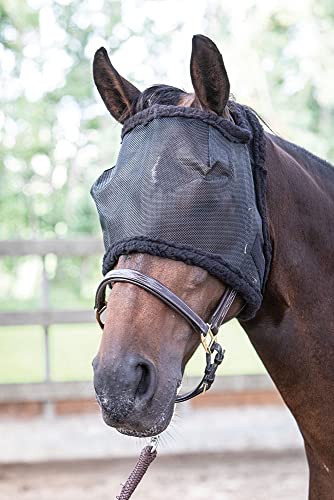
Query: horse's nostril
point(144, 381)
point(147, 383)
point(124, 381)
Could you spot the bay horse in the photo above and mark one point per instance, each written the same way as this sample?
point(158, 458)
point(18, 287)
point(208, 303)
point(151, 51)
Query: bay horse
point(146, 345)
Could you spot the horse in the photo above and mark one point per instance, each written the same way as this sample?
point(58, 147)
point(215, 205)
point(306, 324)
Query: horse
point(146, 344)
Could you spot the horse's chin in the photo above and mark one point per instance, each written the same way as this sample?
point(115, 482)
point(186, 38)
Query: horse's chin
point(154, 430)
point(136, 429)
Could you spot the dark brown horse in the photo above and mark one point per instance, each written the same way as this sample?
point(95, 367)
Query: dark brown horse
point(145, 345)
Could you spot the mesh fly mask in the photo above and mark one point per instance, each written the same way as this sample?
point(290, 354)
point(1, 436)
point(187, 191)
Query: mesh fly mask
point(184, 187)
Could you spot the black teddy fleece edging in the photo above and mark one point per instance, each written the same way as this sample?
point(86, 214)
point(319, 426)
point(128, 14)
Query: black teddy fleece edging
point(258, 147)
point(212, 263)
point(238, 132)
point(246, 129)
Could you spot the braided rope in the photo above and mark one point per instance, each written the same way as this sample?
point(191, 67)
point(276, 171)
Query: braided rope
point(146, 457)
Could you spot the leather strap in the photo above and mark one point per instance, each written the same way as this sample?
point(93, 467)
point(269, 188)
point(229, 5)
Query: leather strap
point(222, 309)
point(156, 288)
point(166, 295)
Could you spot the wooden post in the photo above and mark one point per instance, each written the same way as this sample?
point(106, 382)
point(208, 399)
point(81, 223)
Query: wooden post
point(48, 405)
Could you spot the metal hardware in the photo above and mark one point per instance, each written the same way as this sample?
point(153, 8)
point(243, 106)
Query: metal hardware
point(204, 344)
point(207, 346)
point(98, 314)
point(154, 441)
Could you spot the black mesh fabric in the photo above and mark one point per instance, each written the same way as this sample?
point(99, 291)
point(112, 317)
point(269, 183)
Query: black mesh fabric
point(183, 188)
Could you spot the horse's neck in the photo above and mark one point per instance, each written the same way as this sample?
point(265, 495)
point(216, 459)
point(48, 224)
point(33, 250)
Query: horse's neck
point(300, 205)
point(300, 199)
point(293, 332)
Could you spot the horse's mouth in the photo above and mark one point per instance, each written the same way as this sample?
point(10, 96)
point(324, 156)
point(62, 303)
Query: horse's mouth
point(135, 429)
point(154, 430)
point(142, 421)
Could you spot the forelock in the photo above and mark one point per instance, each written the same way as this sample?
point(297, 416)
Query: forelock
point(159, 94)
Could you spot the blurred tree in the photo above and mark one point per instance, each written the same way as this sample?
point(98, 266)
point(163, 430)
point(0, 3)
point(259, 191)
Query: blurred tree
point(279, 54)
point(49, 117)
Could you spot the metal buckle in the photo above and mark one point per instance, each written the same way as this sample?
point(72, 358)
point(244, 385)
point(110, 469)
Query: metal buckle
point(207, 346)
point(98, 315)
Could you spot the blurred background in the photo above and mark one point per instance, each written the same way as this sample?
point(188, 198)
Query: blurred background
point(56, 137)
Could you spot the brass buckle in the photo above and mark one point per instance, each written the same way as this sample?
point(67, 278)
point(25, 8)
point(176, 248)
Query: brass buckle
point(207, 346)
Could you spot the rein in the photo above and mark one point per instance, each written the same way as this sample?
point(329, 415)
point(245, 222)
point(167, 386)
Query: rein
point(207, 331)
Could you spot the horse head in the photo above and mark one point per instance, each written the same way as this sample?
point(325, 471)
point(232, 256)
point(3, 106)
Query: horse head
point(146, 344)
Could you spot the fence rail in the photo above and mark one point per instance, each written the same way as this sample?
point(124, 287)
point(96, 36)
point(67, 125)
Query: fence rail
point(47, 317)
point(80, 247)
point(60, 391)
point(48, 391)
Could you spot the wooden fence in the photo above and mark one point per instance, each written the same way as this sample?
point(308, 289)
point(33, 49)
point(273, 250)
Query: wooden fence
point(49, 391)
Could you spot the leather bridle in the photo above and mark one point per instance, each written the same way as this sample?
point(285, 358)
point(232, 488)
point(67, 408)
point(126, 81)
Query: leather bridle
point(207, 331)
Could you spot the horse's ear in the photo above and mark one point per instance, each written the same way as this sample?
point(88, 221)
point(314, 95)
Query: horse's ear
point(208, 75)
point(117, 93)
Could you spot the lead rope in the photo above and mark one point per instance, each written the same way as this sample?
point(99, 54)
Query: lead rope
point(146, 457)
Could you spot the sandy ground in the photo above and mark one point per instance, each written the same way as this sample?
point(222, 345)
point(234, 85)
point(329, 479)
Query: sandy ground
point(215, 430)
point(228, 476)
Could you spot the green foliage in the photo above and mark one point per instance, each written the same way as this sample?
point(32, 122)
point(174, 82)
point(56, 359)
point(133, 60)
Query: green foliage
point(46, 134)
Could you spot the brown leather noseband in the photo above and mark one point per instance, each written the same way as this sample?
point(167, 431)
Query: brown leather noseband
point(207, 331)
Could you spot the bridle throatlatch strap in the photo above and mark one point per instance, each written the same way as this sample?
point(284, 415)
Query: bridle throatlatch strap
point(207, 331)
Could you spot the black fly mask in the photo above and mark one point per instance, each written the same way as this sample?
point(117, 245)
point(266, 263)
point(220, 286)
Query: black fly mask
point(183, 188)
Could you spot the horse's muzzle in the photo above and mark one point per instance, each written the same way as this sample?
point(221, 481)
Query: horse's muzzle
point(125, 389)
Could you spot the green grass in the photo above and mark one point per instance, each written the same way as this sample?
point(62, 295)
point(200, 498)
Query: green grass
point(21, 354)
point(72, 348)
point(240, 356)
